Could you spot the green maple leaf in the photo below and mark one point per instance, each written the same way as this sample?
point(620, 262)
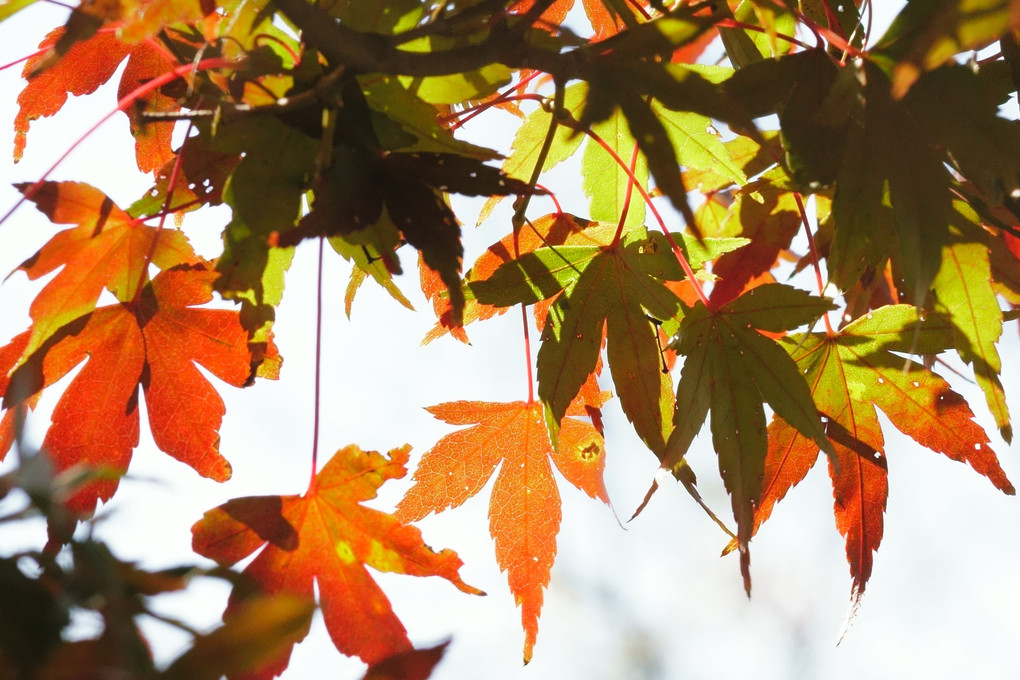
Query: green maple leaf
point(397, 112)
point(628, 78)
point(889, 174)
point(963, 294)
point(605, 181)
point(982, 146)
point(843, 125)
point(264, 191)
point(810, 95)
point(849, 374)
point(698, 145)
point(731, 369)
point(530, 138)
point(925, 35)
point(619, 288)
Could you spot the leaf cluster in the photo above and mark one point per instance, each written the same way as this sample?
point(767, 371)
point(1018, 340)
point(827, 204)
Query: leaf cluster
point(843, 215)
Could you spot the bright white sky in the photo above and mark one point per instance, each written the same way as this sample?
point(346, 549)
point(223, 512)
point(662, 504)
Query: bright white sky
point(651, 601)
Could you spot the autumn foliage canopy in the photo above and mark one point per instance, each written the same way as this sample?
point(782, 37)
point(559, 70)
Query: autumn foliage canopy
point(788, 221)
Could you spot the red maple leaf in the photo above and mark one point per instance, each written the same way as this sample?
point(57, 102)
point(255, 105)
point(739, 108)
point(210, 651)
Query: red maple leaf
point(154, 343)
point(327, 536)
point(524, 511)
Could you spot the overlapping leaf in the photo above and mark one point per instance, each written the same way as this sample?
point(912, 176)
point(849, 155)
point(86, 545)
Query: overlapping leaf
point(551, 230)
point(925, 35)
point(409, 186)
point(619, 289)
point(327, 537)
point(152, 342)
point(963, 294)
point(849, 374)
point(769, 218)
point(86, 65)
point(628, 79)
point(844, 125)
point(888, 163)
point(731, 369)
point(524, 511)
point(106, 250)
point(529, 139)
point(980, 143)
point(252, 637)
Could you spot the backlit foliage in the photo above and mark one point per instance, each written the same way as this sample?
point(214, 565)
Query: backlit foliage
point(781, 135)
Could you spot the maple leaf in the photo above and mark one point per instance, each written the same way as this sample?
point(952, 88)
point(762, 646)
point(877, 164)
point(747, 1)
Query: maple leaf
point(889, 174)
point(524, 511)
point(364, 180)
point(551, 230)
point(86, 65)
point(926, 35)
point(849, 374)
point(151, 342)
point(414, 664)
point(529, 140)
point(108, 249)
point(327, 536)
point(843, 125)
point(606, 182)
point(963, 294)
point(769, 217)
point(201, 174)
point(253, 636)
point(152, 138)
point(410, 186)
point(613, 76)
point(981, 144)
point(618, 289)
point(604, 18)
point(730, 369)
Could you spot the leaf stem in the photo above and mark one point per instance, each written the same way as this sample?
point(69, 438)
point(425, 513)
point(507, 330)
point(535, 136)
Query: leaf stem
point(733, 23)
point(472, 111)
point(681, 258)
point(318, 367)
point(4, 67)
point(527, 350)
point(519, 217)
point(171, 185)
point(504, 96)
point(812, 248)
point(631, 181)
point(822, 32)
point(521, 205)
point(552, 195)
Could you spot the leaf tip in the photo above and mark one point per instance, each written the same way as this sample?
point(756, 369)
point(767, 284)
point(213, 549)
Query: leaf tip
point(856, 593)
point(745, 567)
point(648, 496)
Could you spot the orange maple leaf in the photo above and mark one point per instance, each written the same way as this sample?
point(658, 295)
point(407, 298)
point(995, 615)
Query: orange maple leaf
point(524, 511)
point(108, 249)
point(151, 342)
point(327, 536)
point(86, 65)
